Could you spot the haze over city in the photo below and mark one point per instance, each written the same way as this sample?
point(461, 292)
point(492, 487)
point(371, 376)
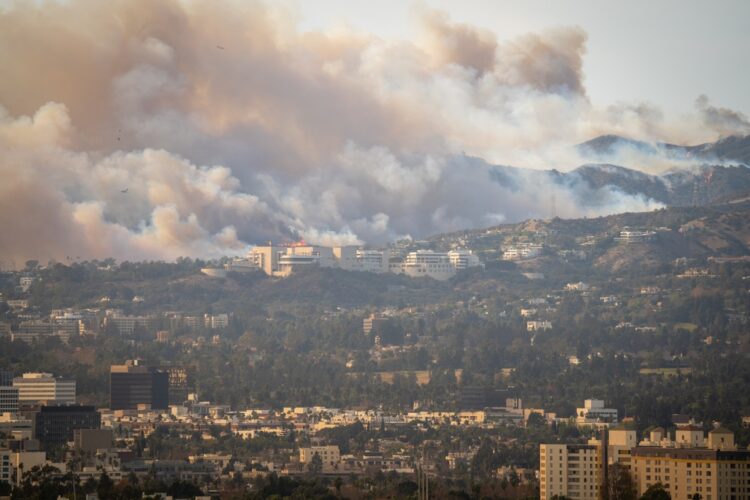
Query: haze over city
point(490, 249)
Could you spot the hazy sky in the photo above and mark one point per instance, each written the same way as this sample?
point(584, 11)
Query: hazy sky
point(665, 52)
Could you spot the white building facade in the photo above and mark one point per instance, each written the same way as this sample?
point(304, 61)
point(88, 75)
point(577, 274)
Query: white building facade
point(36, 388)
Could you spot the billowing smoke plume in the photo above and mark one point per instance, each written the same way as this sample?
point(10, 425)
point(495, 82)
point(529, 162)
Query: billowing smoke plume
point(722, 120)
point(140, 129)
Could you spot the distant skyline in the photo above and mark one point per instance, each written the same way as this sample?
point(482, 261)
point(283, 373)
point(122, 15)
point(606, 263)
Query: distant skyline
point(137, 129)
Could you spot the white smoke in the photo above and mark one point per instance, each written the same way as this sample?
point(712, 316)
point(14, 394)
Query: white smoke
point(137, 129)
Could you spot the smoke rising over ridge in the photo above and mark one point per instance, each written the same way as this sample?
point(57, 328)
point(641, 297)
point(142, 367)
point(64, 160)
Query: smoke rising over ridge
point(227, 127)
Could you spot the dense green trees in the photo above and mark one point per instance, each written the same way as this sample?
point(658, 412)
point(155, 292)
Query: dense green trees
point(656, 492)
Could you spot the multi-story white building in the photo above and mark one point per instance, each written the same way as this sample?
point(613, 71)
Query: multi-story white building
point(570, 470)
point(594, 412)
point(282, 261)
point(576, 287)
point(126, 325)
point(37, 388)
point(66, 324)
point(436, 265)
point(33, 330)
point(463, 259)
point(534, 326)
point(423, 263)
point(216, 321)
point(628, 235)
point(372, 261)
point(520, 252)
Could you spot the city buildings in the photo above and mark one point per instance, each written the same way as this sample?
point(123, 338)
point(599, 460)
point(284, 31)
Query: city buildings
point(463, 259)
point(42, 388)
point(282, 261)
point(437, 265)
point(692, 465)
point(594, 412)
point(216, 321)
point(521, 252)
point(373, 322)
point(33, 330)
point(127, 325)
point(329, 455)
point(371, 261)
point(66, 323)
point(628, 235)
point(423, 263)
point(570, 470)
point(90, 440)
point(133, 385)
point(8, 393)
point(478, 397)
point(178, 385)
point(54, 425)
point(535, 325)
point(715, 469)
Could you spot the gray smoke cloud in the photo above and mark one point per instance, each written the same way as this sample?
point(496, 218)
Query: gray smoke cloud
point(723, 121)
point(228, 127)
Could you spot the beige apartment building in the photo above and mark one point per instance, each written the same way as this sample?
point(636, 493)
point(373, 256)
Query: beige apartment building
point(692, 463)
point(715, 470)
point(571, 470)
point(330, 456)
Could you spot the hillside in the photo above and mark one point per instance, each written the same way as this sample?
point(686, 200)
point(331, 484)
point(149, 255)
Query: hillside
point(692, 233)
point(728, 149)
point(573, 250)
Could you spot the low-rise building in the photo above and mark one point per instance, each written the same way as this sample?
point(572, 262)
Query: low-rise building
point(533, 326)
point(329, 455)
point(629, 236)
point(594, 412)
point(521, 252)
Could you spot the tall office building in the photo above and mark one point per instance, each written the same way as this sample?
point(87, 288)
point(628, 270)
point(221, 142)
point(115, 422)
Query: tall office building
point(55, 424)
point(40, 388)
point(133, 385)
point(8, 393)
point(178, 385)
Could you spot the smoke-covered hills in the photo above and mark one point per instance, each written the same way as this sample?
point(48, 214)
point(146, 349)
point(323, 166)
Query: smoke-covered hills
point(592, 184)
point(179, 149)
point(701, 174)
point(734, 148)
point(574, 250)
point(689, 175)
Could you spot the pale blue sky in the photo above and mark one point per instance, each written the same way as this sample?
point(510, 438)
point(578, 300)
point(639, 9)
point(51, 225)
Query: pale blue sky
point(665, 52)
